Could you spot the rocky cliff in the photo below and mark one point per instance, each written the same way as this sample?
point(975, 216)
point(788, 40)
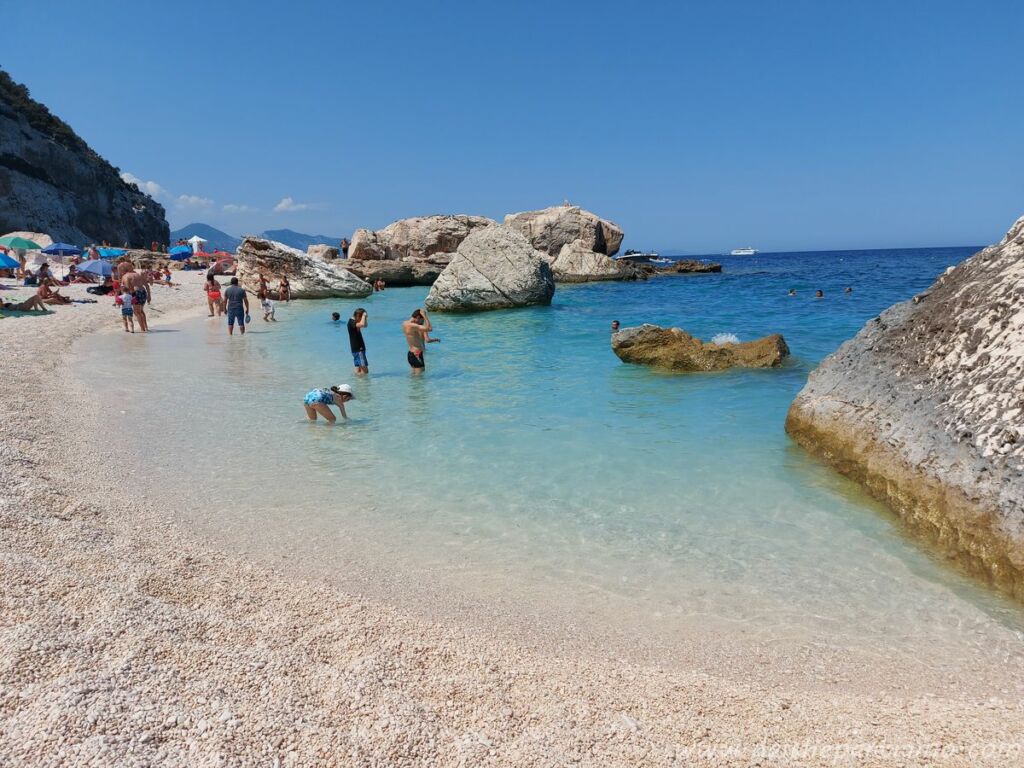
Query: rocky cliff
point(925, 408)
point(51, 181)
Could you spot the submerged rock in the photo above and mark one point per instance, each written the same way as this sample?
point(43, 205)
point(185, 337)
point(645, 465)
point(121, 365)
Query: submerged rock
point(674, 349)
point(419, 237)
point(925, 408)
point(494, 268)
point(310, 277)
point(684, 267)
point(550, 229)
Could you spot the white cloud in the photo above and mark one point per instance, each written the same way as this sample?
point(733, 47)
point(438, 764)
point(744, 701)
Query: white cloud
point(193, 201)
point(236, 208)
point(151, 188)
point(289, 204)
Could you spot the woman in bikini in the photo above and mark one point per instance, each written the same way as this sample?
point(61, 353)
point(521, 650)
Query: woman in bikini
point(49, 296)
point(213, 297)
point(284, 289)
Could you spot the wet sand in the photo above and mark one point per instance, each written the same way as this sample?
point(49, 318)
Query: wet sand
point(127, 640)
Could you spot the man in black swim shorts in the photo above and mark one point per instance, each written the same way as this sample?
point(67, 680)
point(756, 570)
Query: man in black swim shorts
point(417, 334)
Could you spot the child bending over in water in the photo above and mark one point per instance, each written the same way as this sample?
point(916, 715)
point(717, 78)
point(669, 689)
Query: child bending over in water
point(319, 401)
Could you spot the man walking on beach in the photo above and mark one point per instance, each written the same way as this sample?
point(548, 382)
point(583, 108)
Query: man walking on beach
point(238, 306)
point(417, 333)
point(356, 324)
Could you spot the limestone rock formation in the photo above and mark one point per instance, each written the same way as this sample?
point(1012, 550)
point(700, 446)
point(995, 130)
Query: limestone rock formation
point(406, 272)
point(577, 263)
point(320, 251)
point(925, 408)
point(419, 237)
point(552, 228)
point(310, 277)
point(494, 268)
point(684, 267)
point(51, 181)
point(674, 349)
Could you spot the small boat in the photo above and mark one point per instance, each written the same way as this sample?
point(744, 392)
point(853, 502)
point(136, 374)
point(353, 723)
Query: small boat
point(744, 252)
point(643, 257)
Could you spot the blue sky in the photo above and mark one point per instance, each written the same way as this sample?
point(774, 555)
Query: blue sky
point(698, 127)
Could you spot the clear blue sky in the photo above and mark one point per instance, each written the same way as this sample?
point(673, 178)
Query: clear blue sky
point(697, 126)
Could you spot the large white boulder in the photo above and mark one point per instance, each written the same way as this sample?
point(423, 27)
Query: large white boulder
point(552, 228)
point(576, 263)
point(419, 237)
point(493, 268)
point(310, 276)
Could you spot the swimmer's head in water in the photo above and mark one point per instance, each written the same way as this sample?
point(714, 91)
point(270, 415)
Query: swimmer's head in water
point(615, 325)
point(819, 294)
point(335, 316)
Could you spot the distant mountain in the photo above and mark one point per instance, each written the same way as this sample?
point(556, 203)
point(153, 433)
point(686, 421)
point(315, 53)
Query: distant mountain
point(299, 240)
point(216, 240)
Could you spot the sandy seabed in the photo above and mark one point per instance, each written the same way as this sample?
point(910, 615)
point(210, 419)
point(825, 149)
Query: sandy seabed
point(126, 640)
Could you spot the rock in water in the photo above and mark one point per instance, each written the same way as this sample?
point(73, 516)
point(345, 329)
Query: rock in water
point(494, 268)
point(925, 408)
point(51, 181)
point(551, 229)
point(310, 277)
point(674, 349)
point(576, 263)
point(419, 237)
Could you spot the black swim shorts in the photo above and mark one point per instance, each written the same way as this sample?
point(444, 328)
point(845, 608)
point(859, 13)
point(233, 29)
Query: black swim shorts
point(416, 360)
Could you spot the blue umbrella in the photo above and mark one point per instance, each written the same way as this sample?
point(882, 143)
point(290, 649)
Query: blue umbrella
point(6, 262)
point(180, 252)
point(96, 267)
point(62, 249)
point(111, 253)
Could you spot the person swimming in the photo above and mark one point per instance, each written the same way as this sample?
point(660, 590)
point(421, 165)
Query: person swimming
point(792, 291)
point(319, 401)
point(615, 326)
point(819, 294)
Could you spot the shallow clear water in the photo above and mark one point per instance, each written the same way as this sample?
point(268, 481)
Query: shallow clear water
point(529, 462)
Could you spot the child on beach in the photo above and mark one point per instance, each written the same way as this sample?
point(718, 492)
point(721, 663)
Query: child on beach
point(268, 306)
point(319, 401)
point(124, 301)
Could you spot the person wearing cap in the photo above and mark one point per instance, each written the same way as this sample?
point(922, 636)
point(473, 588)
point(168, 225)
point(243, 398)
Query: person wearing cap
point(319, 401)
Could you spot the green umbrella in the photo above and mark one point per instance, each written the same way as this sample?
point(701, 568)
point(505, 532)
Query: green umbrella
point(20, 243)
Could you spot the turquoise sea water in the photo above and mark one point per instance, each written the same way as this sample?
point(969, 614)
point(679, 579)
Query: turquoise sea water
point(530, 462)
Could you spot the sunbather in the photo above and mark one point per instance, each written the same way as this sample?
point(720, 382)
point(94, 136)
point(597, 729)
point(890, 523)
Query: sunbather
point(28, 305)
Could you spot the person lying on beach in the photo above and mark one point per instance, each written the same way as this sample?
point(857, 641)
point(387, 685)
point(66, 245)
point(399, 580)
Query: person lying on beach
point(50, 296)
point(319, 401)
point(32, 303)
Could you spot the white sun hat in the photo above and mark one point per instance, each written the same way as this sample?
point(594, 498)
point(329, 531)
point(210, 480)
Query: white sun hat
point(344, 389)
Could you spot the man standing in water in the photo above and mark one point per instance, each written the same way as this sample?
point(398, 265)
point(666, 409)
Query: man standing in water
point(238, 306)
point(356, 324)
point(417, 333)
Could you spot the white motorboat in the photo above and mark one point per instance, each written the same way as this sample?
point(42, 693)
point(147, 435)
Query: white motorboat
point(744, 252)
point(643, 257)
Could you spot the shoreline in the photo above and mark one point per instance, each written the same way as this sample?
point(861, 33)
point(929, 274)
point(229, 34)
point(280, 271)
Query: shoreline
point(127, 638)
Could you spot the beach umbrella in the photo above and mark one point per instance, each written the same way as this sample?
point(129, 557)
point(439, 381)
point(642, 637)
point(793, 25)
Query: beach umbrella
point(196, 242)
point(101, 268)
point(62, 249)
point(180, 252)
point(111, 253)
point(6, 262)
point(20, 243)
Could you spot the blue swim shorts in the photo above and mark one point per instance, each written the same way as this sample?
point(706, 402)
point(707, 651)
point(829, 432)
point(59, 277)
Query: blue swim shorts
point(236, 314)
point(359, 359)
